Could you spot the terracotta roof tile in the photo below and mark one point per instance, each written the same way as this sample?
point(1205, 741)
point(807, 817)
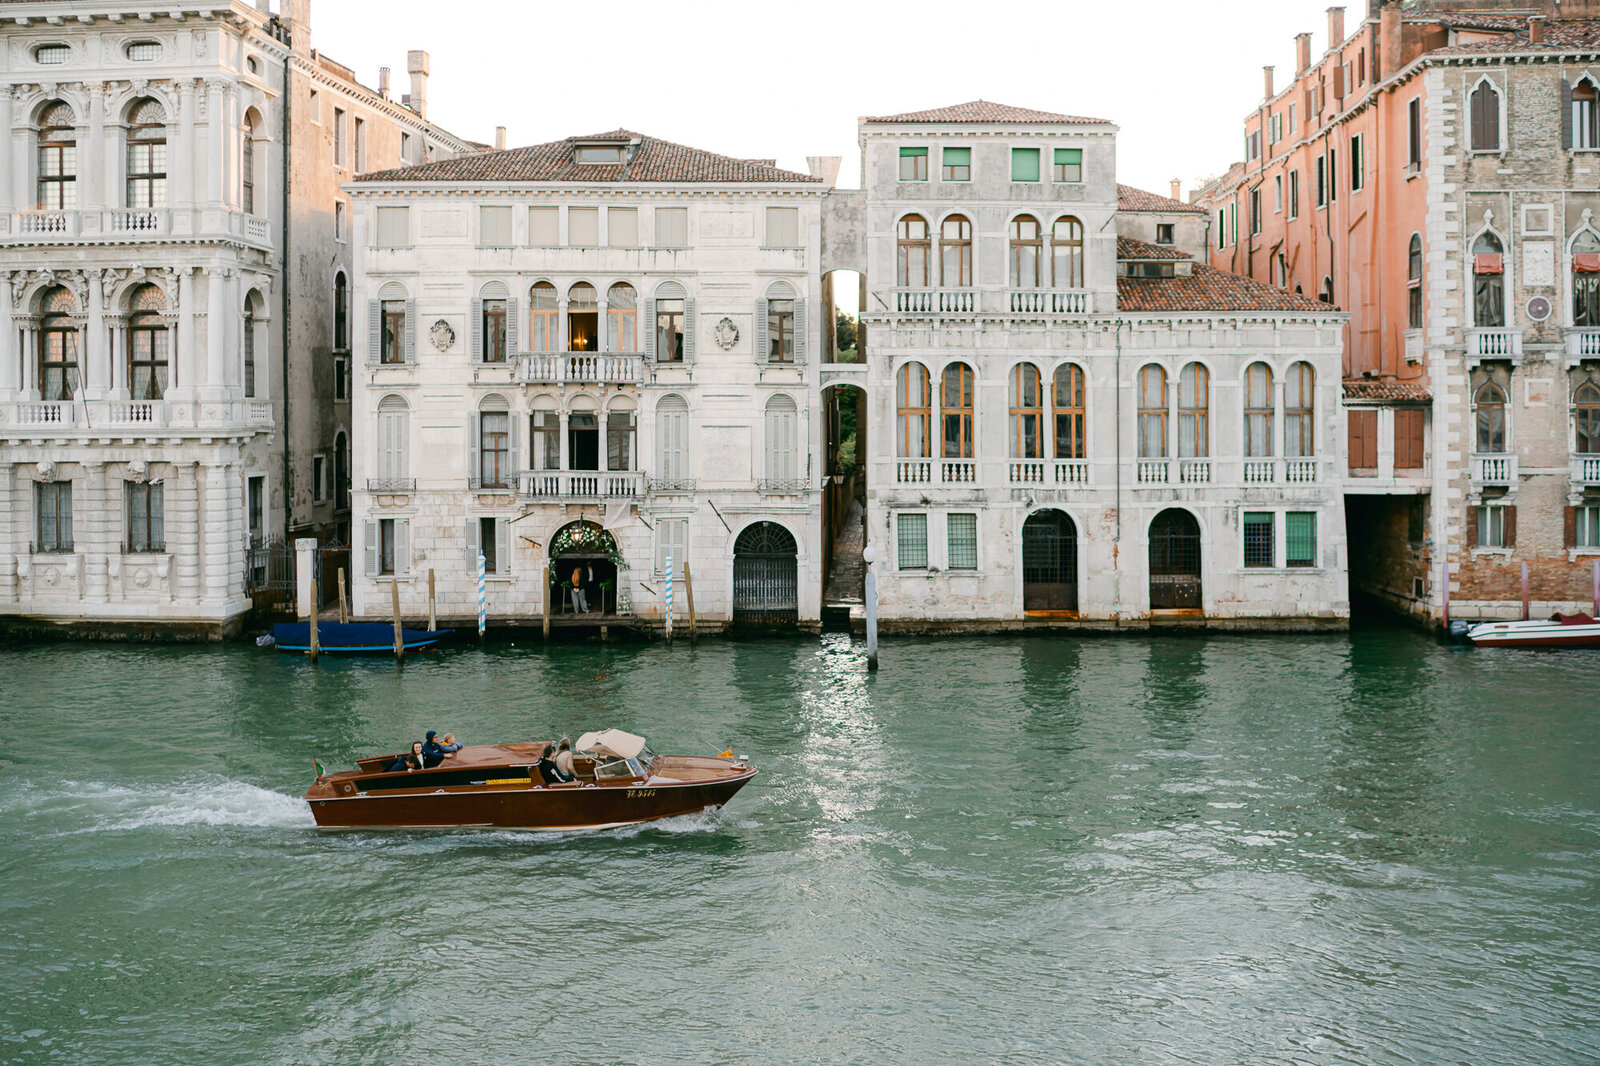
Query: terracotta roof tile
point(1128, 248)
point(1131, 199)
point(1208, 289)
point(1562, 35)
point(655, 161)
point(1361, 390)
point(987, 112)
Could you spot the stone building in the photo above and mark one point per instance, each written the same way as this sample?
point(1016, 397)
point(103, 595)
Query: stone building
point(585, 357)
point(1071, 424)
point(170, 397)
point(1433, 174)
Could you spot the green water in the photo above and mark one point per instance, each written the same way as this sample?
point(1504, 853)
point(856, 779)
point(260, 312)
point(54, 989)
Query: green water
point(1369, 849)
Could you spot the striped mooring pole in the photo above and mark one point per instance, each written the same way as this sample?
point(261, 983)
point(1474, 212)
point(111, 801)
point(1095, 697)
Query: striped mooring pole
point(483, 602)
point(669, 597)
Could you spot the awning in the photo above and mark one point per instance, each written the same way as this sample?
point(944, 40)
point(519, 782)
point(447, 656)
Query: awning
point(1488, 263)
point(612, 742)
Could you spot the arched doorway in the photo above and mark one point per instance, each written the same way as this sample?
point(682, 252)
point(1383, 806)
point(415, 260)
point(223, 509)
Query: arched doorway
point(1049, 562)
point(1175, 561)
point(584, 551)
point(766, 572)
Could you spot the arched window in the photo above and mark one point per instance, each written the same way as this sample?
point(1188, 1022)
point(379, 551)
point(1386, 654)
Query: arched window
point(394, 440)
point(1066, 253)
point(1585, 115)
point(911, 253)
point(583, 318)
point(58, 158)
point(955, 252)
point(1489, 407)
point(1027, 413)
point(1489, 288)
point(622, 318)
point(341, 312)
point(1586, 417)
point(783, 435)
point(149, 343)
point(249, 347)
point(490, 341)
point(1026, 251)
point(955, 410)
point(341, 471)
point(1299, 411)
point(247, 166)
point(147, 155)
point(1194, 412)
point(1414, 283)
point(913, 407)
point(1586, 279)
point(544, 309)
point(1325, 294)
point(1258, 411)
point(1152, 412)
point(672, 440)
point(58, 347)
point(670, 310)
point(1485, 105)
point(1068, 410)
point(494, 444)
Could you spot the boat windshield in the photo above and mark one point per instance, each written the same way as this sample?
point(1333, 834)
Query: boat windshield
point(645, 757)
point(618, 768)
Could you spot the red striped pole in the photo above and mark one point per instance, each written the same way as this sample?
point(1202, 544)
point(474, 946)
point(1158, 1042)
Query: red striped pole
point(1596, 589)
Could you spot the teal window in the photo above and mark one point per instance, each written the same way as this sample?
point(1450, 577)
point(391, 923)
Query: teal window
point(1069, 164)
point(1258, 537)
point(911, 537)
point(962, 530)
point(1300, 538)
point(956, 164)
point(1024, 164)
point(913, 164)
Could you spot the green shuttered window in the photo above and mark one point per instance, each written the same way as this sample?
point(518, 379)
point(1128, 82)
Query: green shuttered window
point(1069, 164)
point(1024, 164)
point(913, 164)
point(1300, 538)
point(956, 164)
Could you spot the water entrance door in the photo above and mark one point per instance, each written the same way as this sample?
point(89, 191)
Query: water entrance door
point(1175, 561)
point(1049, 562)
point(766, 576)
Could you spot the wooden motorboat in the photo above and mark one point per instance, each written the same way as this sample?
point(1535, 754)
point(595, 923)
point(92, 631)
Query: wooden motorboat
point(1559, 631)
point(349, 638)
point(620, 781)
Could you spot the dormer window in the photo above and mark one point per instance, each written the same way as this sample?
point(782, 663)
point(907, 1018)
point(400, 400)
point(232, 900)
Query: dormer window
point(599, 154)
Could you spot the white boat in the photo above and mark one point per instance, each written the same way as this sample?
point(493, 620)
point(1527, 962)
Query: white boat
point(1559, 631)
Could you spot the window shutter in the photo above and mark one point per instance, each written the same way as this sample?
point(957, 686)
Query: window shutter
point(477, 331)
point(1570, 537)
point(402, 545)
point(472, 546)
point(157, 531)
point(763, 344)
point(372, 547)
point(1511, 526)
point(513, 444)
point(688, 329)
point(800, 330)
point(1566, 114)
point(374, 331)
point(650, 331)
point(1472, 527)
point(474, 471)
point(502, 546)
point(411, 331)
point(513, 338)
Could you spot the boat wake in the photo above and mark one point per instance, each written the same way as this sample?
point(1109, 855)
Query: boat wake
point(97, 807)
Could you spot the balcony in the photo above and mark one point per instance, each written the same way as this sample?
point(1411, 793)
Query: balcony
point(1194, 471)
point(1493, 344)
point(968, 301)
point(1049, 473)
point(913, 471)
point(670, 486)
point(958, 471)
point(935, 301)
point(47, 224)
point(94, 417)
point(1582, 344)
point(1300, 471)
point(793, 486)
point(1049, 302)
point(1497, 469)
point(1260, 471)
point(1154, 472)
point(573, 485)
point(391, 485)
point(144, 223)
point(1586, 470)
point(579, 368)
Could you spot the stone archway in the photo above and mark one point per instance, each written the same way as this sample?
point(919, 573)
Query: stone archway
point(766, 570)
point(583, 550)
point(1175, 561)
point(1049, 562)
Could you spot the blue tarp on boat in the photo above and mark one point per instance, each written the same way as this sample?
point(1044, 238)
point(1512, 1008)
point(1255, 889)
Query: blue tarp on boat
point(351, 638)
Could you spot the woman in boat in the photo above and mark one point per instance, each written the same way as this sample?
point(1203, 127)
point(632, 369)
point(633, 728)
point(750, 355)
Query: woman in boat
point(411, 760)
point(564, 758)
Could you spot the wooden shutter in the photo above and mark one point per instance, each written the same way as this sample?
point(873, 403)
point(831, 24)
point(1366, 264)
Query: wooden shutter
point(372, 547)
point(513, 445)
point(1408, 443)
point(375, 331)
point(474, 470)
point(502, 546)
point(688, 329)
point(763, 343)
point(477, 330)
point(1472, 527)
point(513, 340)
point(402, 545)
point(1570, 537)
point(472, 546)
point(650, 331)
point(1566, 114)
point(799, 330)
point(1362, 427)
point(1511, 526)
point(411, 331)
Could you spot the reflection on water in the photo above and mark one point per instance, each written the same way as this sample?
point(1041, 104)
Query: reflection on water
point(1362, 850)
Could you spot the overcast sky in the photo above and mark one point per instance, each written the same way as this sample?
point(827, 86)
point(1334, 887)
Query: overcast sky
point(788, 81)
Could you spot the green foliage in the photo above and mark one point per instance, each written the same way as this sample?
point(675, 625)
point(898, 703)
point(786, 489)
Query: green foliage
point(844, 333)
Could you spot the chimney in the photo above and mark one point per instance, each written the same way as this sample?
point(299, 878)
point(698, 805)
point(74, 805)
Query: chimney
point(1267, 82)
point(1302, 54)
point(1389, 31)
point(383, 82)
point(1335, 27)
point(825, 168)
point(1177, 183)
point(1536, 29)
point(499, 138)
point(417, 67)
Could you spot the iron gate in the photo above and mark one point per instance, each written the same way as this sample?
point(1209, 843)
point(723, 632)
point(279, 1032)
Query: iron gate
point(766, 576)
point(1049, 562)
point(269, 575)
point(1174, 561)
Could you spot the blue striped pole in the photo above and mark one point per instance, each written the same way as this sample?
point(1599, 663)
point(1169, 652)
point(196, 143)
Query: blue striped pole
point(669, 596)
point(483, 603)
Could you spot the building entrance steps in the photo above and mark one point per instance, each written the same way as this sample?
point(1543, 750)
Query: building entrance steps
point(847, 575)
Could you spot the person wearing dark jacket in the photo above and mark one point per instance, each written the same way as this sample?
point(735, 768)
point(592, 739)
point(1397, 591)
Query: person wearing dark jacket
point(411, 760)
point(547, 767)
point(433, 752)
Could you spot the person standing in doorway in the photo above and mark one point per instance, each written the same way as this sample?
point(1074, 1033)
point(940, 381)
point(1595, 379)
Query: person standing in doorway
point(580, 601)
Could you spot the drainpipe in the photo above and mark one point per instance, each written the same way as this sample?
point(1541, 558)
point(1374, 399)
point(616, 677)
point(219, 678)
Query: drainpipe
point(283, 293)
point(1116, 537)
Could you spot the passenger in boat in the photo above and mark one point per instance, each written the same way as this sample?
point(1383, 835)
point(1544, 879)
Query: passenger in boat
point(411, 760)
point(564, 758)
point(548, 770)
point(434, 753)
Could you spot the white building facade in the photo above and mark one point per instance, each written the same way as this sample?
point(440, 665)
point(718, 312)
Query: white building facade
point(583, 358)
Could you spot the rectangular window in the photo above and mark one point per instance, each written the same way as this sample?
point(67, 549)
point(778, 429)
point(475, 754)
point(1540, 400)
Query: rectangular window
point(53, 501)
point(405, 148)
point(486, 546)
point(622, 227)
point(1277, 193)
point(1294, 194)
point(1222, 228)
point(1069, 164)
point(341, 223)
point(392, 342)
point(672, 227)
point(672, 536)
point(1166, 233)
point(319, 478)
point(1255, 211)
point(619, 440)
point(341, 378)
point(1358, 163)
point(1300, 538)
point(1414, 134)
point(1024, 164)
point(1258, 537)
point(394, 227)
point(1361, 446)
point(583, 227)
point(962, 531)
point(361, 145)
point(1333, 175)
point(1408, 439)
point(913, 164)
point(146, 524)
point(780, 331)
point(494, 227)
point(544, 227)
point(1321, 181)
point(1275, 128)
point(955, 164)
point(783, 227)
point(1587, 526)
point(546, 440)
point(1492, 526)
point(494, 331)
point(911, 540)
point(256, 510)
point(386, 545)
point(339, 157)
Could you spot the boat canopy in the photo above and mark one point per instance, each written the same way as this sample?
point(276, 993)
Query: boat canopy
point(612, 742)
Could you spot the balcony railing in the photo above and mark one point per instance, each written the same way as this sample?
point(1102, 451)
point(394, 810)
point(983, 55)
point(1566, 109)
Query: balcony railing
point(1260, 471)
point(146, 222)
point(500, 484)
point(1586, 469)
point(958, 471)
point(1194, 471)
point(913, 471)
point(1583, 343)
point(585, 368)
point(1153, 472)
point(672, 486)
point(1499, 468)
point(391, 484)
point(936, 301)
point(1048, 301)
point(1300, 471)
point(257, 229)
point(92, 415)
point(779, 486)
point(967, 301)
point(1494, 343)
point(48, 223)
point(1026, 471)
point(579, 484)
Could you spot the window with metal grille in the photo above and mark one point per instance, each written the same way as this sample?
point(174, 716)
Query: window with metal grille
point(143, 51)
point(1258, 538)
point(913, 164)
point(1300, 538)
point(962, 534)
point(53, 507)
point(911, 541)
point(52, 55)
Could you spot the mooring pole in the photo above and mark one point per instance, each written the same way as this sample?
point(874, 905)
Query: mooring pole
point(433, 614)
point(1444, 586)
point(483, 602)
point(1596, 589)
point(547, 584)
point(1525, 611)
point(688, 596)
point(399, 638)
point(305, 572)
point(870, 594)
point(343, 617)
point(669, 597)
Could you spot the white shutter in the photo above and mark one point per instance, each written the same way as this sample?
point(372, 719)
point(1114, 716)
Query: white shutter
point(650, 331)
point(477, 330)
point(513, 445)
point(375, 331)
point(763, 342)
point(799, 330)
point(472, 545)
point(502, 545)
point(513, 341)
point(411, 331)
point(474, 469)
point(688, 329)
point(402, 546)
point(372, 547)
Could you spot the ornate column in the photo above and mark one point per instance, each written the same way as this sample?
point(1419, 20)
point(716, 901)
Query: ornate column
point(216, 330)
point(8, 195)
point(97, 196)
point(561, 443)
point(232, 150)
point(186, 367)
point(116, 326)
point(97, 357)
point(216, 140)
point(30, 356)
point(10, 344)
point(182, 163)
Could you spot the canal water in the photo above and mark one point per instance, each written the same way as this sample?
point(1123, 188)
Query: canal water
point(1364, 849)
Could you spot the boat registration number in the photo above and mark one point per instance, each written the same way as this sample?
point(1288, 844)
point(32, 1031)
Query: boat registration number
point(640, 793)
point(506, 781)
